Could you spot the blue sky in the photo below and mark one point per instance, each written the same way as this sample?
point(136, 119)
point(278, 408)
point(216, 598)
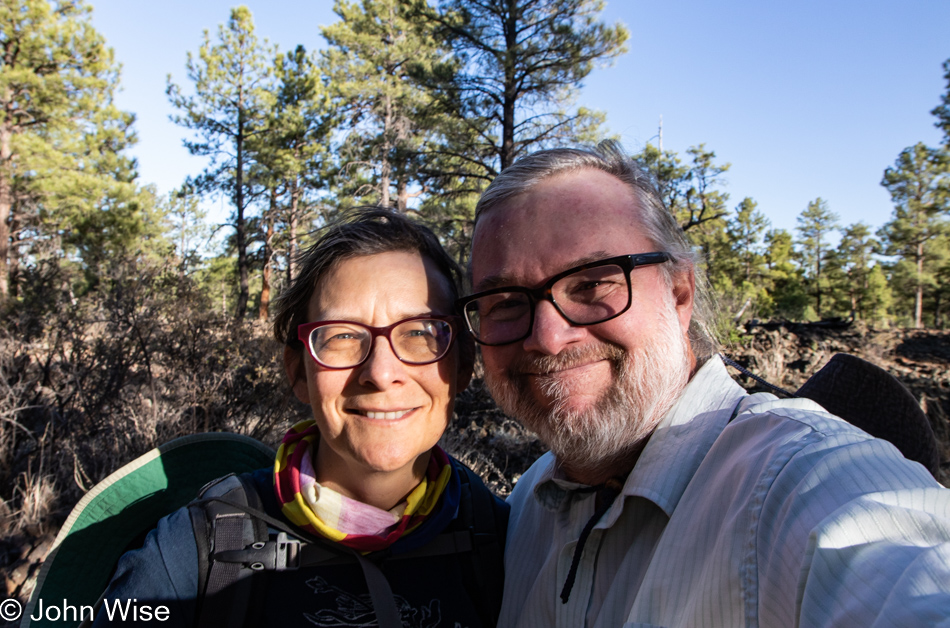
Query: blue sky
point(804, 99)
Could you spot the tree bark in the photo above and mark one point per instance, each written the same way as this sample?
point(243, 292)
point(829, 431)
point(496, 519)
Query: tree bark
point(239, 223)
point(919, 292)
point(6, 208)
point(264, 310)
point(402, 195)
point(292, 225)
point(507, 154)
point(385, 168)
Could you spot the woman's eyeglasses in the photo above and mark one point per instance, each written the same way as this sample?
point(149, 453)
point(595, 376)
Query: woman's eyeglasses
point(345, 344)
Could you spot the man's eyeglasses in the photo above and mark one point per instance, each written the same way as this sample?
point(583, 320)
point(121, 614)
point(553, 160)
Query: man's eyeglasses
point(584, 295)
point(345, 344)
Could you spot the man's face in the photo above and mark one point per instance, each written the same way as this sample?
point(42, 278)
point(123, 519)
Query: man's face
point(593, 392)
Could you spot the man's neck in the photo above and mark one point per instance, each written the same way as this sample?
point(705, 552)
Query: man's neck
point(597, 473)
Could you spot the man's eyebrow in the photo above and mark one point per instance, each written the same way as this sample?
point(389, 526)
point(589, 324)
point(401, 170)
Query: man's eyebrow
point(504, 281)
point(495, 281)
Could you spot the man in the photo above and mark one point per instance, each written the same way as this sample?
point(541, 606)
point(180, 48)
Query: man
point(670, 496)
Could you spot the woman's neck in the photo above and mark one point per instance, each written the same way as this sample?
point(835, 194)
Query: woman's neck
point(382, 489)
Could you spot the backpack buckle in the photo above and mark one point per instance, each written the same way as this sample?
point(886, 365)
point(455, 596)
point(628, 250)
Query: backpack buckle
point(287, 552)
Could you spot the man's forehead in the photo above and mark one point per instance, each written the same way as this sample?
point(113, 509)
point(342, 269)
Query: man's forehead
point(563, 221)
point(506, 278)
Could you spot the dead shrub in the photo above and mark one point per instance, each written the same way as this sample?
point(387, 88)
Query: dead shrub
point(89, 382)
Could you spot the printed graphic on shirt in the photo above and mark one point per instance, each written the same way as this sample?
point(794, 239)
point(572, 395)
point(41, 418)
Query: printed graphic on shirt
point(347, 609)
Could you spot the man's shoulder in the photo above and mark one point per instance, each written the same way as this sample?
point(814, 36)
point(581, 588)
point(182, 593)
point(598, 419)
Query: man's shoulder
point(795, 424)
point(795, 441)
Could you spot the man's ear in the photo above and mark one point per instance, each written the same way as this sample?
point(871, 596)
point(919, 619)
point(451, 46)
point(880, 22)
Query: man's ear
point(296, 373)
point(684, 289)
point(466, 360)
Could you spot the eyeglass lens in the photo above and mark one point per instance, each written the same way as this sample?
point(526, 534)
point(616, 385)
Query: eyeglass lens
point(586, 297)
point(344, 345)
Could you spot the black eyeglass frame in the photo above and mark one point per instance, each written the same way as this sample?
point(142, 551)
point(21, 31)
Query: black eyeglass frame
point(627, 263)
point(306, 329)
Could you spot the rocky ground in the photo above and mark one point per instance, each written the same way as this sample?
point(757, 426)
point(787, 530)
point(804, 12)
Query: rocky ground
point(501, 450)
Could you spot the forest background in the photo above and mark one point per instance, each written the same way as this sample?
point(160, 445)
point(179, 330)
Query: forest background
point(131, 315)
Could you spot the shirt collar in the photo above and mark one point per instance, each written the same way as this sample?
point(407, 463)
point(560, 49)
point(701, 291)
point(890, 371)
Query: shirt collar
point(674, 451)
point(683, 437)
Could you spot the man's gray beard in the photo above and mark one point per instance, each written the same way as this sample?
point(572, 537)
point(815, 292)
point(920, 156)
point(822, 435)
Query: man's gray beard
point(647, 381)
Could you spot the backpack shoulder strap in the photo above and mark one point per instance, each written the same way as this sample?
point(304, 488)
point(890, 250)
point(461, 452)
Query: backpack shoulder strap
point(231, 530)
point(224, 589)
point(486, 517)
point(231, 533)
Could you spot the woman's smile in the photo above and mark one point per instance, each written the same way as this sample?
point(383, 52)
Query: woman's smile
point(386, 415)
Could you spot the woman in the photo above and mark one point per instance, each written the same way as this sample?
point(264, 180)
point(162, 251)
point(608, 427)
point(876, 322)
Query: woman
point(373, 347)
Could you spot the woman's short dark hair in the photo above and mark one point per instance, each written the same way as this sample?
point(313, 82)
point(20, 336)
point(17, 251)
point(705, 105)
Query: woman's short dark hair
point(356, 233)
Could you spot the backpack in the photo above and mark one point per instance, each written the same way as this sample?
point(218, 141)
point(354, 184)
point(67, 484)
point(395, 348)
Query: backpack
point(239, 544)
point(228, 516)
point(117, 513)
point(870, 398)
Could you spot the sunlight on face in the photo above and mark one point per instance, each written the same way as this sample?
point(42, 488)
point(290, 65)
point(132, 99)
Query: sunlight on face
point(384, 415)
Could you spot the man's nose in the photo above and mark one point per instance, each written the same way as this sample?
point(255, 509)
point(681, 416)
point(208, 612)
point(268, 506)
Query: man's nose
point(551, 332)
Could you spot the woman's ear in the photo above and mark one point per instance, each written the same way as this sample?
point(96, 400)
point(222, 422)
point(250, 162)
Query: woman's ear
point(466, 360)
point(296, 373)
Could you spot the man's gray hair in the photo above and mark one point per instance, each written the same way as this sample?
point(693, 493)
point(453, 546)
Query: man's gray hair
point(658, 222)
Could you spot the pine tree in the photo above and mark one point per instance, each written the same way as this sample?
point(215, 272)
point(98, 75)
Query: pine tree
point(507, 91)
point(184, 223)
point(62, 167)
point(878, 297)
point(689, 190)
point(373, 50)
point(697, 201)
point(849, 271)
point(289, 158)
point(743, 260)
point(942, 111)
point(917, 183)
point(815, 223)
point(227, 109)
point(746, 230)
point(786, 287)
point(672, 177)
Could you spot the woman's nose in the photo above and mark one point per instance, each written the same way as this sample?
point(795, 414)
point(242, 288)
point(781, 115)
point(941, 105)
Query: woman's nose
point(382, 368)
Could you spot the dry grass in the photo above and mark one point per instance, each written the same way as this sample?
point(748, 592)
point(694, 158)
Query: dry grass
point(88, 384)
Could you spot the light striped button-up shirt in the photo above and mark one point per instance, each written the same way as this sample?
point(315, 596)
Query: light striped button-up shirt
point(786, 516)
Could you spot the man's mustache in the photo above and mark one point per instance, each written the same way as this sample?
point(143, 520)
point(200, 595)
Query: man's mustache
point(537, 364)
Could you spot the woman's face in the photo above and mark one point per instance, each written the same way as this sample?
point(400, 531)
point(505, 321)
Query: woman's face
point(382, 416)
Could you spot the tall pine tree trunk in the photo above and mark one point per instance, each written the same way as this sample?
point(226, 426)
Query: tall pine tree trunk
point(239, 224)
point(292, 226)
point(402, 195)
point(919, 293)
point(264, 310)
point(6, 207)
point(385, 168)
point(507, 154)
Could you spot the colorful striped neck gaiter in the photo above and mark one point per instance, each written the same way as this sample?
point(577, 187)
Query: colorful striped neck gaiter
point(354, 524)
